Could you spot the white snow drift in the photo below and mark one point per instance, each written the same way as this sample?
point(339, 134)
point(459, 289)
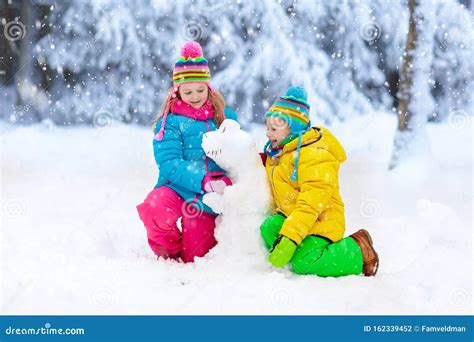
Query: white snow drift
point(72, 242)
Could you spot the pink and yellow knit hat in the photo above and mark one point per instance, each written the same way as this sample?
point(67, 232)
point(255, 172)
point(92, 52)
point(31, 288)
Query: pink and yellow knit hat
point(191, 66)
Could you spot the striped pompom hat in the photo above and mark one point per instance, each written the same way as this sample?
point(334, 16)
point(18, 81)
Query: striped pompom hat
point(293, 108)
point(191, 66)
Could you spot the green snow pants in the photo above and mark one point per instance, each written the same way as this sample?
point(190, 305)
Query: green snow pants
point(316, 255)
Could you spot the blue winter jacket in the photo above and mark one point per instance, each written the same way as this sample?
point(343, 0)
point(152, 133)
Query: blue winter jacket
point(181, 159)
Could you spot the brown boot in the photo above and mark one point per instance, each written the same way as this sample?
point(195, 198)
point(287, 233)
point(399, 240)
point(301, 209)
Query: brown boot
point(369, 255)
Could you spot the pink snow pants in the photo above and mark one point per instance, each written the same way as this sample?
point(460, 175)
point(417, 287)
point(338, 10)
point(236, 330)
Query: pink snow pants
point(160, 212)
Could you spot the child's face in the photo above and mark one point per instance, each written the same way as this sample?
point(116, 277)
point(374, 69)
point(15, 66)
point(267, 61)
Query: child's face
point(277, 130)
point(195, 94)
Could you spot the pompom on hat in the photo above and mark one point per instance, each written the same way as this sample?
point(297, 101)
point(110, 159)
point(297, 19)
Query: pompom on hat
point(190, 67)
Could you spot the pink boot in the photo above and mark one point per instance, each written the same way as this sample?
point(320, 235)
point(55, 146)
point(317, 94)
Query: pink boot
point(198, 234)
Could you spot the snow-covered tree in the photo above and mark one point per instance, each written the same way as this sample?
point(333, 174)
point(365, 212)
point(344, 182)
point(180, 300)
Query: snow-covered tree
point(416, 103)
point(319, 46)
point(21, 78)
point(453, 70)
point(113, 59)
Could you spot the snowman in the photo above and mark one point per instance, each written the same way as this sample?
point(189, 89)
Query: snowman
point(244, 205)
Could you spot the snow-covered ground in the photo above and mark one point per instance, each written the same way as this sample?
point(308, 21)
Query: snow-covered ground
point(72, 242)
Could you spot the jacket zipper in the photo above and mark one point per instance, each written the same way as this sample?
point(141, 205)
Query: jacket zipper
point(273, 186)
point(206, 160)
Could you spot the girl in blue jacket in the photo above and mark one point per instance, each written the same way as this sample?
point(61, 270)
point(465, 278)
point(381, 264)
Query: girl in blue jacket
point(192, 108)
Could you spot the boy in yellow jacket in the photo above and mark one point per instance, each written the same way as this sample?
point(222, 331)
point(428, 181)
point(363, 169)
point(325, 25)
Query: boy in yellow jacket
point(308, 227)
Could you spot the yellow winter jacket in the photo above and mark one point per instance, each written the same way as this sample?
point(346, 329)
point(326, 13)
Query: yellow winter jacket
point(312, 203)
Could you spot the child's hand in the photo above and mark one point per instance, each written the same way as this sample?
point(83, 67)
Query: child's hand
point(282, 252)
point(215, 182)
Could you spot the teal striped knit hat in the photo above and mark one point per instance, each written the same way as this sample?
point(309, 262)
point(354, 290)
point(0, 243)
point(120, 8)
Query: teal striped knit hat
point(293, 108)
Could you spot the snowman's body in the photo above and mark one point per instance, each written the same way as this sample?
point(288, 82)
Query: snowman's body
point(244, 205)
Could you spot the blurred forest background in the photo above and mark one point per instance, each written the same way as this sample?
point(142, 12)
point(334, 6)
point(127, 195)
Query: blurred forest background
point(90, 62)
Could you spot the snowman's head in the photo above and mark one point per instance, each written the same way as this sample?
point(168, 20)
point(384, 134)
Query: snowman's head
point(229, 146)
